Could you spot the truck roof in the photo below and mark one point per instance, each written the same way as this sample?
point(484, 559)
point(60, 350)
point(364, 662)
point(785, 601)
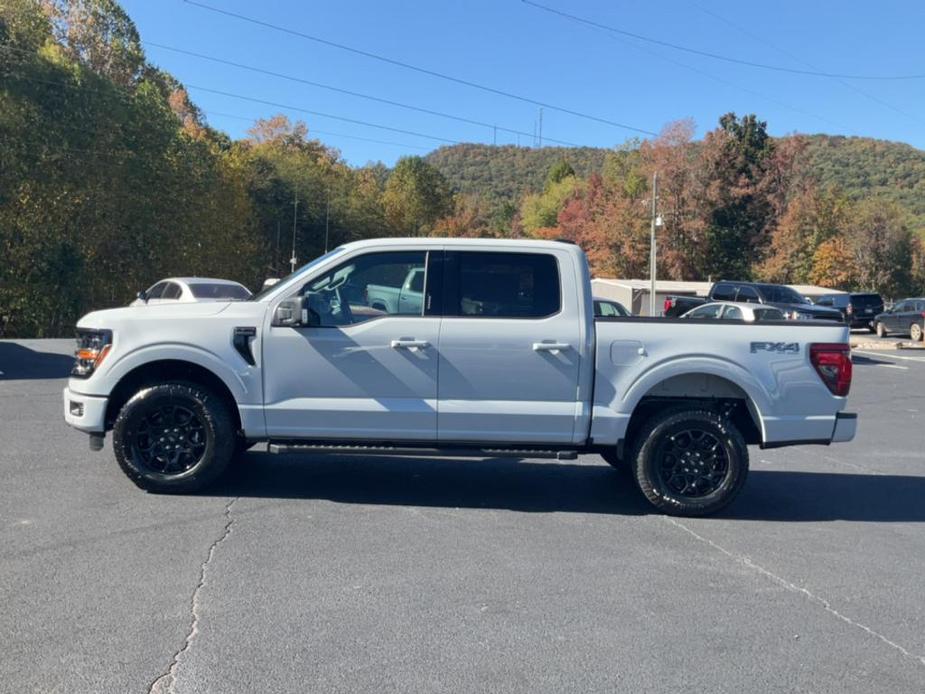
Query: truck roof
point(461, 242)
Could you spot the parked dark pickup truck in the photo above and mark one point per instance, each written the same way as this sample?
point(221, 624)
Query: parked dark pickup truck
point(792, 303)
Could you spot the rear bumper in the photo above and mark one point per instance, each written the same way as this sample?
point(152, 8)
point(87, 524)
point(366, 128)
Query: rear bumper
point(85, 412)
point(846, 426)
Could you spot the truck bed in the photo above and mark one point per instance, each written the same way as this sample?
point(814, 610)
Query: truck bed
point(767, 364)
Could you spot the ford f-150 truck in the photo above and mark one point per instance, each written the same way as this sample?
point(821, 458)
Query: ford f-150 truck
point(503, 357)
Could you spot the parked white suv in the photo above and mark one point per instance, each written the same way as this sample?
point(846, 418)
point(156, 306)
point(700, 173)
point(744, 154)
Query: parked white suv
point(501, 357)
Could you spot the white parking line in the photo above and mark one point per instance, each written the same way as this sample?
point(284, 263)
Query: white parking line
point(890, 356)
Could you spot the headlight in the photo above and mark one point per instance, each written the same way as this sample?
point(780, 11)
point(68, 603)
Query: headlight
point(92, 348)
point(798, 315)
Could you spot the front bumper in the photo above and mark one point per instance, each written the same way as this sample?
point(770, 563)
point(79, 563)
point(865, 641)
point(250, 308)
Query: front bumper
point(846, 426)
point(85, 412)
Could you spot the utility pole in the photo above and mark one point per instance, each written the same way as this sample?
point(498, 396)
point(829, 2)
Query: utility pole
point(295, 208)
point(276, 256)
point(494, 135)
point(652, 254)
point(541, 126)
point(327, 214)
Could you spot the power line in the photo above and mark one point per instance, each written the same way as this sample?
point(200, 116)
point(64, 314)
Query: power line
point(720, 80)
point(416, 68)
point(322, 132)
point(321, 113)
point(796, 58)
point(120, 94)
point(707, 54)
point(349, 92)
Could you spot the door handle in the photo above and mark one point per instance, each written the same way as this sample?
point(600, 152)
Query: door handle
point(409, 344)
point(550, 346)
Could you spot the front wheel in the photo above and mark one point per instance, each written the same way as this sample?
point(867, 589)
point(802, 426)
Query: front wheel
point(690, 462)
point(174, 437)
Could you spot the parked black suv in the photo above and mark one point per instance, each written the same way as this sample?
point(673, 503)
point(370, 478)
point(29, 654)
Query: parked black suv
point(794, 305)
point(907, 317)
point(858, 310)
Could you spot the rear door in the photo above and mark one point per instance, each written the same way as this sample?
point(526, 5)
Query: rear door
point(510, 348)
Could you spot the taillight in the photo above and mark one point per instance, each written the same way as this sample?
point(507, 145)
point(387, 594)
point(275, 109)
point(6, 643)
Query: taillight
point(849, 309)
point(669, 304)
point(833, 364)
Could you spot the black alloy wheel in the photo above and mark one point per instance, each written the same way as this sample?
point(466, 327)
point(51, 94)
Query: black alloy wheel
point(174, 437)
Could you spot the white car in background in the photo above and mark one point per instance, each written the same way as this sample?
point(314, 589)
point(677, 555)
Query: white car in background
point(727, 310)
point(192, 289)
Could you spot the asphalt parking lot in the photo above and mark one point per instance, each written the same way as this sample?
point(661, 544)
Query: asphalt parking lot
point(302, 574)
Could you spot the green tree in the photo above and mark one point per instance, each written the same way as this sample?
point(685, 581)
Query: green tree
point(416, 195)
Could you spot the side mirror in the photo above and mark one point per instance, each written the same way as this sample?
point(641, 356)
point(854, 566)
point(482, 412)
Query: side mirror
point(269, 282)
point(294, 313)
point(143, 296)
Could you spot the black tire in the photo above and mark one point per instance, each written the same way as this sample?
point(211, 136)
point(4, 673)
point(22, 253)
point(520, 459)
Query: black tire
point(714, 457)
point(612, 459)
point(871, 329)
point(174, 438)
point(880, 330)
point(242, 445)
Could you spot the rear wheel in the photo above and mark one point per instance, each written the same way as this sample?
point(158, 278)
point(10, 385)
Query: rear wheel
point(915, 332)
point(174, 437)
point(881, 331)
point(690, 462)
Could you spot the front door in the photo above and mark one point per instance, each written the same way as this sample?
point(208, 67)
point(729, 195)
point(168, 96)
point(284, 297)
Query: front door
point(510, 349)
point(361, 372)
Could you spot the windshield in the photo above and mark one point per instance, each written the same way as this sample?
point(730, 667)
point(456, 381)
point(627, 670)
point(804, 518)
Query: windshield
point(219, 290)
point(777, 294)
point(266, 290)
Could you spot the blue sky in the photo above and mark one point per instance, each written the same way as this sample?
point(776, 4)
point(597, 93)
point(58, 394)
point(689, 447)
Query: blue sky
point(514, 47)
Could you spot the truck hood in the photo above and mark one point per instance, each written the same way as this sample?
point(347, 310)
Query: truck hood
point(113, 316)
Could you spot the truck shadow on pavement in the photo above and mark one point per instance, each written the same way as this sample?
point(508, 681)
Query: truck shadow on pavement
point(22, 363)
point(548, 487)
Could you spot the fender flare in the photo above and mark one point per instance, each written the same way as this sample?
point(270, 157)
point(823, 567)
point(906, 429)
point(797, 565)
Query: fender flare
point(242, 391)
point(759, 399)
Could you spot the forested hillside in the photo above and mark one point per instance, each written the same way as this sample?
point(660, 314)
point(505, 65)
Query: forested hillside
point(858, 166)
point(111, 178)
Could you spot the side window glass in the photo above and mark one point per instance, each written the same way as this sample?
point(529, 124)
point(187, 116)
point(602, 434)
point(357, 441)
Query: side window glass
point(732, 313)
point(748, 295)
point(723, 292)
point(368, 286)
point(156, 291)
point(825, 301)
point(506, 285)
point(711, 311)
point(171, 291)
point(608, 309)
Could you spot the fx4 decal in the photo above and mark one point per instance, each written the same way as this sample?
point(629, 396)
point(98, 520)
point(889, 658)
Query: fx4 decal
point(776, 347)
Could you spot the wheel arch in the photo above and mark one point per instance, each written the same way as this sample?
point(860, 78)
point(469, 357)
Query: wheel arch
point(166, 370)
point(711, 386)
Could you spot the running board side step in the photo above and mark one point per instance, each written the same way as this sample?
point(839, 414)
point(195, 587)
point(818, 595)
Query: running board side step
point(437, 452)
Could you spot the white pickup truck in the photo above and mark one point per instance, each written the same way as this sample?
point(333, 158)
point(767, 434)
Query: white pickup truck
point(503, 357)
